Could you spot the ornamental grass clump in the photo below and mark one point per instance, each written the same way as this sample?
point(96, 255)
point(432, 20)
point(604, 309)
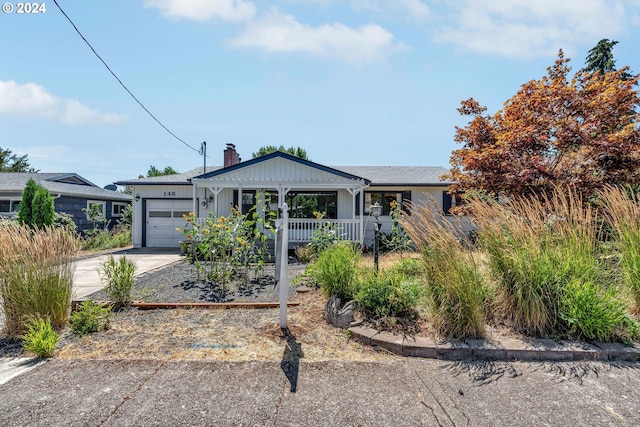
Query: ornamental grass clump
point(454, 288)
point(621, 207)
point(36, 274)
point(547, 261)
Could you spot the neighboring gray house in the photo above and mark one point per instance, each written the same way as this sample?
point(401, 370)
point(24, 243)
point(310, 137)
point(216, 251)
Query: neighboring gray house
point(71, 193)
point(160, 202)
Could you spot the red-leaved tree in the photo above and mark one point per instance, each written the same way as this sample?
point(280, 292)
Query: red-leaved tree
point(557, 131)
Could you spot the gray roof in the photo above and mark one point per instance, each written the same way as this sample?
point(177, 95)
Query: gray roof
point(378, 175)
point(65, 184)
point(399, 175)
point(176, 179)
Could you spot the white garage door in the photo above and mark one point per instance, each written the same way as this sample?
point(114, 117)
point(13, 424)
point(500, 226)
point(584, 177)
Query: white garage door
point(163, 216)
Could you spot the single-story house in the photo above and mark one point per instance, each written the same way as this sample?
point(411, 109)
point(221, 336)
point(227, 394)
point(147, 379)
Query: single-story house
point(71, 193)
point(160, 202)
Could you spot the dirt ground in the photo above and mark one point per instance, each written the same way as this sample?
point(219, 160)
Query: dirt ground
point(220, 334)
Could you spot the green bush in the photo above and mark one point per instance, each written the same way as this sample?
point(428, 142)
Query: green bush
point(89, 318)
point(101, 239)
point(335, 270)
point(387, 294)
point(40, 338)
point(119, 277)
point(591, 313)
point(43, 211)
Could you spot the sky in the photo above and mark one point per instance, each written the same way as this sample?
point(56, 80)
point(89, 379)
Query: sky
point(353, 82)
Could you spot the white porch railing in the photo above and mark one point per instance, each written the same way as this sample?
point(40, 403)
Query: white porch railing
point(300, 230)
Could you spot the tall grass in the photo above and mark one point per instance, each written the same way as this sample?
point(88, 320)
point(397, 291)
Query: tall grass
point(622, 211)
point(545, 256)
point(36, 275)
point(454, 286)
point(335, 270)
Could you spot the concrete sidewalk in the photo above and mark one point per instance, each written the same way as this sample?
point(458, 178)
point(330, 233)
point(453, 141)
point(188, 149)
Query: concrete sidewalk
point(87, 280)
point(410, 392)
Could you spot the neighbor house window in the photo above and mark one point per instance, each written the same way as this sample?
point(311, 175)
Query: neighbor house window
point(304, 204)
point(9, 206)
point(117, 209)
point(97, 208)
point(385, 198)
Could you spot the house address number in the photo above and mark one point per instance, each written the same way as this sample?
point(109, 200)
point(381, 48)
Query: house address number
point(169, 193)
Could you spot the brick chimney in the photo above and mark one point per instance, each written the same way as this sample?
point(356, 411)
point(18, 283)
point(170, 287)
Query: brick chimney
point(231, 156)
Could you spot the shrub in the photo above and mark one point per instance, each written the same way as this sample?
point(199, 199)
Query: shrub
point(622, 210)
point(335, 270)
point(119, 277)
point(43, 211)
point(64, 220)
point(304, 253)
point(36, 267)
point(325, 235)
point(387, 294)
point(40, 338)
point(455, 293)
point(101, 239)
point(26, 205)
point(547, 259)
point(90, 317)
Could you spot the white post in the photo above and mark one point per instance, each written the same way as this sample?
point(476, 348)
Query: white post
point(284, 263)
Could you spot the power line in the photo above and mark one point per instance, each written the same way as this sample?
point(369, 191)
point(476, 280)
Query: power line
point(120, 81)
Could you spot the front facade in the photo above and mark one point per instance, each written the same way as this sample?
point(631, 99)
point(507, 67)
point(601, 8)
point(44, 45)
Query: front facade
point(267, 182)
point(71, 194)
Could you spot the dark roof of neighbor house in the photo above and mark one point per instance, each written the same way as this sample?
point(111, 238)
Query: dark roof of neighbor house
point(65, 184)
point(376, 175)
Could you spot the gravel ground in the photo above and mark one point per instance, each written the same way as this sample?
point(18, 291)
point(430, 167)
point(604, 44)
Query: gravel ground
point(179, 282)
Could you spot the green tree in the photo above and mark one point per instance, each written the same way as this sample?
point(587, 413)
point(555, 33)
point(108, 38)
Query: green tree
point(294, 151)
point(600, 58)
point(154, 171)
point(25, 215)
point(42, 210)
point(10, 162)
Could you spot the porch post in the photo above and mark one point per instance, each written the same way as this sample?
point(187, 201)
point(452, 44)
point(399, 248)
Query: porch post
point(361, 216)
point(196, 211)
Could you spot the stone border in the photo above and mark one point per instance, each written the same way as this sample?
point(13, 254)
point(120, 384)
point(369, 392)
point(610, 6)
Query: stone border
point(509, 349)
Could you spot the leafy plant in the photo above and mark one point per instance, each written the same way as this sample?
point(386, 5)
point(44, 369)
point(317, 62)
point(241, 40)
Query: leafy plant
point(388, 293)
point(397, 240)
point(89, 318)
point(40, 338)
point(335, 270)
point(324, 235)
point(119, 277)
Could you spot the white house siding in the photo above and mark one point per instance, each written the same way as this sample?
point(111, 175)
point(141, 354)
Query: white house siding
point(147, 193)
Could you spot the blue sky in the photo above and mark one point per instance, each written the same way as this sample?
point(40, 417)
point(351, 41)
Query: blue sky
point(354, 82)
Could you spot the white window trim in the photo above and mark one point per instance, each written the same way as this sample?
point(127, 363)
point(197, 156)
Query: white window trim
point(113, 208)
point(98, 202)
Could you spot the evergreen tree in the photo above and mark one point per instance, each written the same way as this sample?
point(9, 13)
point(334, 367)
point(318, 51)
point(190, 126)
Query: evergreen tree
point(25, 215)
point(42, 210)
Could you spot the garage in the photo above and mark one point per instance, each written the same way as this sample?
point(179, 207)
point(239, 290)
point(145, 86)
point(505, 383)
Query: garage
point(163, 217)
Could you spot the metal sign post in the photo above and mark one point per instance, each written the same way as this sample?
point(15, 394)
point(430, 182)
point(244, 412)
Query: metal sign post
point(282, 261)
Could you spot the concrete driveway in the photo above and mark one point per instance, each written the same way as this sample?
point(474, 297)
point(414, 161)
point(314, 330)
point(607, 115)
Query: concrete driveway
point(87, 280)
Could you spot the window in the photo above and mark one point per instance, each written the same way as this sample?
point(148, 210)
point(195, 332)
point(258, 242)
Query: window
point(95, 208)
point(304, 204)
point(9, 206)
point(384, 198)
point(450, 201)
point(248, 200)
point(117, 209)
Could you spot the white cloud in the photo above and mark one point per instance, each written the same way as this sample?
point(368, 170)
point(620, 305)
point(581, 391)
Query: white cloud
point(527, 29)
point(203, 10)
point(278, 32)
point(414, 9)
point(32, 100)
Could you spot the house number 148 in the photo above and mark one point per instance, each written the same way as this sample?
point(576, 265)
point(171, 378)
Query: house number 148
point(169, 193)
